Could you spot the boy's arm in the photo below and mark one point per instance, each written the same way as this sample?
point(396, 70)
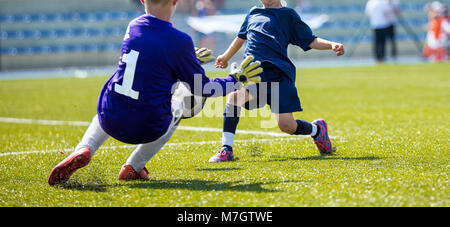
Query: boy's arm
point(188, 69)
point(322, 44)
point(235, 46)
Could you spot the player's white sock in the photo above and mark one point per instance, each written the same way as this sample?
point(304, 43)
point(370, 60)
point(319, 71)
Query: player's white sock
point(144, 152)
point(227, 138)
point(94, 137)
point(314, 129)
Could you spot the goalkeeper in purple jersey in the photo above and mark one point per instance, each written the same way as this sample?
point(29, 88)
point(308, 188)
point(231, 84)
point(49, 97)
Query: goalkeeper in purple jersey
point(136, 104)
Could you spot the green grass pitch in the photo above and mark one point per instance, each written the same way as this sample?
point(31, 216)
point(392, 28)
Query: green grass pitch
point(390, 125)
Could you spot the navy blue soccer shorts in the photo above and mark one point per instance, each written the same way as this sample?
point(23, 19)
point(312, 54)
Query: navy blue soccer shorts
point(276, 90)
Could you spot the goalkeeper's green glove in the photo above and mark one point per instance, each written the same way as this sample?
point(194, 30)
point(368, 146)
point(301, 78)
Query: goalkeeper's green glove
point(204, 55)
point(249, 71)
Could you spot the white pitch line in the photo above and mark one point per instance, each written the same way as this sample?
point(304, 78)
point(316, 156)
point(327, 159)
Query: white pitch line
point(133, 146)
point(42, 122)
point(186, 128)
point(85, 123)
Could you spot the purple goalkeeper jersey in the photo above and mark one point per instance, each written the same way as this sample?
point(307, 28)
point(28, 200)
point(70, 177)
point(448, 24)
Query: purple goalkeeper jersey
point(135, 103)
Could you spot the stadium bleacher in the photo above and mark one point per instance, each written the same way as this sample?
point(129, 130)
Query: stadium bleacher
point(90, 32)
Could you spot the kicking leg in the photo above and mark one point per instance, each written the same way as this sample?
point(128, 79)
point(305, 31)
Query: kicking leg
point(93, 138)
point(232, 114)
point(318, 130)
point(230, 121)
point(289, 125)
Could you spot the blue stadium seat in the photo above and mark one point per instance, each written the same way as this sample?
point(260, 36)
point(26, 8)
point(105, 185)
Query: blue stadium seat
point(345, 26)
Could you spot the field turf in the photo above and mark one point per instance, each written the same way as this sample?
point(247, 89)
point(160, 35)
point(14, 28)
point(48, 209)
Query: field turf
point(390, 124)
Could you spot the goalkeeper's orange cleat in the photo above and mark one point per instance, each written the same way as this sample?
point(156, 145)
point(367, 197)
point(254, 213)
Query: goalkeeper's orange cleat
point(64, 170)
point(128, 173)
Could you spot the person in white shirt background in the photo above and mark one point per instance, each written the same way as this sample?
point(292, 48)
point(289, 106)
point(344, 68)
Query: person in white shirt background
point(383, 16)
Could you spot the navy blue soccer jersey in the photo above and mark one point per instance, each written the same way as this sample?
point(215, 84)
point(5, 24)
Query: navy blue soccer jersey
point(135, 103)
point(269, 32)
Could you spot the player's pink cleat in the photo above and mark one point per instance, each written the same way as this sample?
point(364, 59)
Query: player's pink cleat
point(223, 155)
point(128, 173)
point(322, 140)
point(64, 170)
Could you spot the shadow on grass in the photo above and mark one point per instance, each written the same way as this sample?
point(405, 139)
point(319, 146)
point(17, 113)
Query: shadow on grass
point(96, 186)
point(205, 185)
point(194, 185)
point(322, 157)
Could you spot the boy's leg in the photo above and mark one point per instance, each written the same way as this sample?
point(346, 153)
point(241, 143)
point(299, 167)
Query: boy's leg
point(230, 121)
point(134, 167)
point(289, 125)
point(93, 138)
point(285, 102)
point(318, 130)
point(393, 40)
point(379, 46)
point(231, 116)
point(142, 154)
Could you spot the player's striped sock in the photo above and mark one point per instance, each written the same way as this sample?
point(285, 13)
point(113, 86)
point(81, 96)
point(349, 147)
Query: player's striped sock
point(230, 122)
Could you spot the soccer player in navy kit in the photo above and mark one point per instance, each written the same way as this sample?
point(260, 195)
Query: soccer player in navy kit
point(268, 31)
point(136, 104)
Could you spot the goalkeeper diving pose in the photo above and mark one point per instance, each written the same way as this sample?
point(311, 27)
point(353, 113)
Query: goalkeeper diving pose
point(136, 105)
point(268, 32)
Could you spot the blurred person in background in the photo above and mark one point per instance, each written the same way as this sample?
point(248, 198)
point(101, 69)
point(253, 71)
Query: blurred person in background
point(219, 4)
point(395, 6)
point(205, 8)
point(382, 16)
point(138, 5)
point(186, 6)
point(436, 45)
point(446, 28)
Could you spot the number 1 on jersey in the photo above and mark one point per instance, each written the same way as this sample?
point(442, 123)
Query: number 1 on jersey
point(127, 83)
